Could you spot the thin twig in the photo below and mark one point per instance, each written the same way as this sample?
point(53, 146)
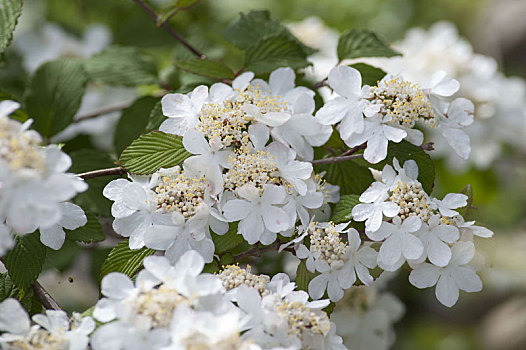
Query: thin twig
point(319, 84)
point(257, 251)
point(102, 111)
point(44, 297)
point(169, 29)
point(102, 172)
point(336, 159)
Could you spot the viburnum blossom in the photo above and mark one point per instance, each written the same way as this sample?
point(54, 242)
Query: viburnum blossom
point(337, 261)
point(34, 183)
point(457, 275)
point(423, 228)
point(52, 331)
point(389, 111)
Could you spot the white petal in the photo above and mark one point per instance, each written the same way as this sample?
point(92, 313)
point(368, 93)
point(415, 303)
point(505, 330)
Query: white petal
point(236, 209)
point(459, 141)
point(72, 216)
point(466, 279)
point(259, 134)
point(412, 247)
point(242, 81)
point(13, 317)
point(438, 252)
point(446, 290)
point(318, 285)
point(195, 143)
point(346, 81)
point(334, 290)
point(390, 251)
point(281, 81)
point(116, 285)
point(275, 219)
point(332, 112)
point(53, 237)
point(191, 263)
point(425, 276)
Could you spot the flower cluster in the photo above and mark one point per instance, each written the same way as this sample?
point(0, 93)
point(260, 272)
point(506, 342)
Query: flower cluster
point(34, 185)
point(51, 331)
point(390, 110)
point(252, 144)
point(179, 307)
point(500, 101)
point(426, 232)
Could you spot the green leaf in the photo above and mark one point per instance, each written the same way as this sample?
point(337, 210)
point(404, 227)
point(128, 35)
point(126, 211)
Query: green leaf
point(273, 52)
point(342, 210)
point(24, 262)
point(125, 260)
point(7, 287)
point(54, 95)
point(362, 43)
point(303, 276)
point(10, 10)
point(122, 66)
point(370, 75)
point(133, 121)
point(89, 233)
point(92, 200)
point(156, 118)
point(206, 68)
point(153, 151)
point(228, 241)
point(351, 177)
point(257, 25)
point(9, 290)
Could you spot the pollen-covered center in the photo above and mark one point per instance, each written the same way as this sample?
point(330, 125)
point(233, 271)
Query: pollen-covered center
point(327, 241)
point(159, 304)
point(411, 199)
point(20, 149)
point(404, 103)
point(228, 120)
point(233, 276)
point(302, 319)
point(41, 339)
point(257, 168)
point(178, 193)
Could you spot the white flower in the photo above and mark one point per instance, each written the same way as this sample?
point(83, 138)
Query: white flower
point(340, 273)
point(435, 238)
point(451, 201)
point(469, 229)
point(457, 275)
point(182, 235)
point(374, 206)
point(119, 335)
point(72, 217)
point(52, 329)
point(134, 208)
point(33, 179)
point(259, 215)
point(291, 170)
point(183, 111)
point(50, 42)
point(158, 290)
point(458, 116)
point(208, 160)
point(399, 240)
point(377, 133)
point(300, 205)
point(369, 324)
point(439, 88)
point(349, 107)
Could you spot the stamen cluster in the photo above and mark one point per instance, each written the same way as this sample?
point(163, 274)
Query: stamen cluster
point(327, 242)
point(178, 193)
point(403, 102)
point(233, 276)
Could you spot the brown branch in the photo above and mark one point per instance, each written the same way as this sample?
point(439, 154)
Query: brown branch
point(169, 29)
point(257, 251)
point(102, 172)
point(337, 159)
point(102, 111)
point(44, 297)
point(319, 84)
